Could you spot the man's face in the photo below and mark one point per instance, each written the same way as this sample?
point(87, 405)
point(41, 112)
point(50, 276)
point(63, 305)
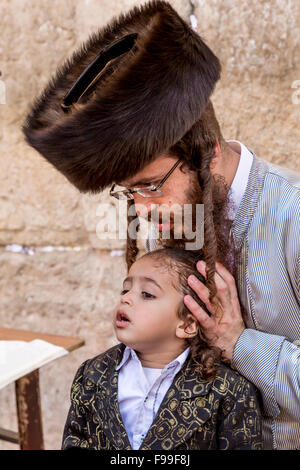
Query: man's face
point(175, 191)
point(181, 190)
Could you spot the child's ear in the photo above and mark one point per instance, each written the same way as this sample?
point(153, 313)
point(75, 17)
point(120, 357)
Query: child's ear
point(187, 328)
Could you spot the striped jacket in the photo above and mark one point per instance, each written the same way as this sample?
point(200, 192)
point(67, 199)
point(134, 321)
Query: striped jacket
point(266, 232)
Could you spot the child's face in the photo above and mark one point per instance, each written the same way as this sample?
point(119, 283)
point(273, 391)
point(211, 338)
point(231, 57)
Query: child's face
point(150, 306)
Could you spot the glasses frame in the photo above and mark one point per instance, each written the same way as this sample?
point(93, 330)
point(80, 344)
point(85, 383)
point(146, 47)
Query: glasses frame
point(128, 193)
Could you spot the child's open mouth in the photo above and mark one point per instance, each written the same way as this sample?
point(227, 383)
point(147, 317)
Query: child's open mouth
point(122, 319)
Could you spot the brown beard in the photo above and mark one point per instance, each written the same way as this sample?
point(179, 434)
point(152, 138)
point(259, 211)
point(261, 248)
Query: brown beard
point(221, 208)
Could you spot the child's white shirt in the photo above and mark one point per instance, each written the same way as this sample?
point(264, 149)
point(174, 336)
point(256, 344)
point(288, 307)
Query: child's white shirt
point(141, 391)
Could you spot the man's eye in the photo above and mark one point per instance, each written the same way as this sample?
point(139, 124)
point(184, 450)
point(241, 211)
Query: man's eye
point(147, 185)
point(147, 295)
point(123, 291)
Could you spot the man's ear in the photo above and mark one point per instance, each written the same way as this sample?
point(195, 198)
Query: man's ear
point(216, 158)
point(187, 328)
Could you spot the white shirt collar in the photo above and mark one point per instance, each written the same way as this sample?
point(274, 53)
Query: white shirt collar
point(240, 180)
point(130, 353)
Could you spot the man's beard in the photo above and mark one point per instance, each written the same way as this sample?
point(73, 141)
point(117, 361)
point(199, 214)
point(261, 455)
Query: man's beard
point(222, 205)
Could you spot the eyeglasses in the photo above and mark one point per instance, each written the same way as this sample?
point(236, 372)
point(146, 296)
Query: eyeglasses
point(147, 191)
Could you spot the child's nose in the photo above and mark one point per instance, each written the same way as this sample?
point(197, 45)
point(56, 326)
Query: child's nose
point(126, 298)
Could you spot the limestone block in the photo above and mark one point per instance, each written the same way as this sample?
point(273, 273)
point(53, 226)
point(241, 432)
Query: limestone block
point(258, 46)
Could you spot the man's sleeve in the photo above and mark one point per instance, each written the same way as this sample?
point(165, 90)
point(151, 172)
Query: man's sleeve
point(272, 364)
point(269, 361)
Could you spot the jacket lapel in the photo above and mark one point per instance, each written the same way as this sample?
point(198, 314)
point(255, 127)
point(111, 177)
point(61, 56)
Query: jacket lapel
point(185, 409)
point(249, 200)
point(105, 404)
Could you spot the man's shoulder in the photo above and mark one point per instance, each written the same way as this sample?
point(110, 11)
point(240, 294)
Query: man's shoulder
point(284, 176)
point(280, 191)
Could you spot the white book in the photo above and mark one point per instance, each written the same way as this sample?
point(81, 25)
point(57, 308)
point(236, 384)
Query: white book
point(18, 358)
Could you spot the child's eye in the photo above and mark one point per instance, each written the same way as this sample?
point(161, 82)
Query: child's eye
point(147, 295)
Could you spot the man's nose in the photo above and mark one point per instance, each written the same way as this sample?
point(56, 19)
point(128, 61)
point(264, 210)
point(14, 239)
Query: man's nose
point(143, 207)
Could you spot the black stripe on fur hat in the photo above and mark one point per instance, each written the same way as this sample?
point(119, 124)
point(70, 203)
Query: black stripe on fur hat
point(131, 91)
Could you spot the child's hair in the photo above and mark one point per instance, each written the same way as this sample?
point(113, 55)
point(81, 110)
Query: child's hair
point(182, 263)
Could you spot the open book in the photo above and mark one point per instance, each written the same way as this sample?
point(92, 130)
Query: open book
point(18, 358)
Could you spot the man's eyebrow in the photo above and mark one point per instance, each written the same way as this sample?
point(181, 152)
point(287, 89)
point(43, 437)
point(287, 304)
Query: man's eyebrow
point(143, 278)
point(146, 180)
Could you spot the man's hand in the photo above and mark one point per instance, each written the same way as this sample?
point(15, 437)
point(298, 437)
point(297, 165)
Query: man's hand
point(225, 325)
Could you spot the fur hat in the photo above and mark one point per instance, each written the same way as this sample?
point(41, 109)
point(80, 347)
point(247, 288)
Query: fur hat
point(129, 93)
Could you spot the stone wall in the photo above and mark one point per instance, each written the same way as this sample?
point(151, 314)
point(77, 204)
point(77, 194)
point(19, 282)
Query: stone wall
point(56, 276)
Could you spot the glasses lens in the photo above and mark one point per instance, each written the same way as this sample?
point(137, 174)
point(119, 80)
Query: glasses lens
point(149, 192)
point(122, 195)
point(119, 192)
point(125, 194)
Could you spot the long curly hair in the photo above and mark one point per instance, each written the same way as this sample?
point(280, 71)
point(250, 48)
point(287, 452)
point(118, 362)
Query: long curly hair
point(180, 263)
point(196, 149)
